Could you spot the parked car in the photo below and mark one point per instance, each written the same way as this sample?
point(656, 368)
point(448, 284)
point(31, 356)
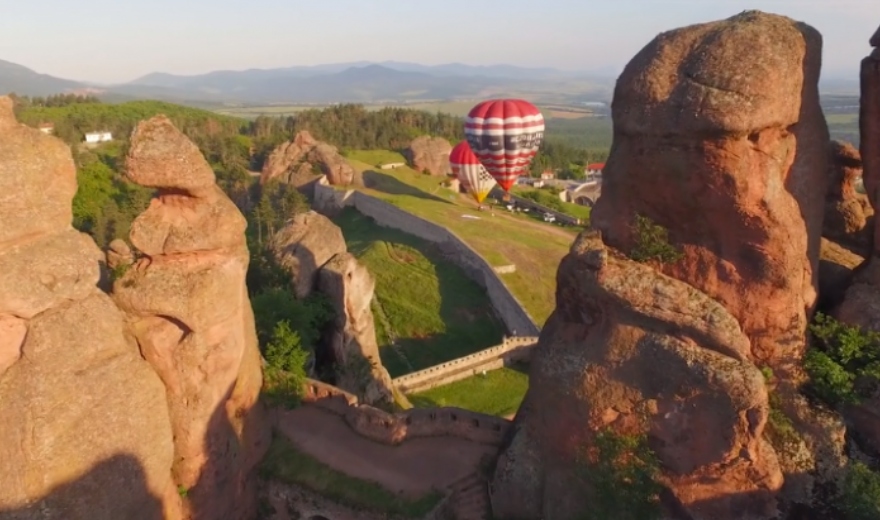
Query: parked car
point(549, 217)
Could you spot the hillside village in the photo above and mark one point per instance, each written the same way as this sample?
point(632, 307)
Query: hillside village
point(306, 316)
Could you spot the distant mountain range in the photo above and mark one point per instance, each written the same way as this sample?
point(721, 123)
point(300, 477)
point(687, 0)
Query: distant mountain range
point(360, 82)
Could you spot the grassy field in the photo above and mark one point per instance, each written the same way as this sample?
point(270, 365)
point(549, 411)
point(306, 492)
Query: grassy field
point(287, 464)
point(499, 392)
point(535, 248)
point(844, 126)
point(374, 157)
point(427, 311)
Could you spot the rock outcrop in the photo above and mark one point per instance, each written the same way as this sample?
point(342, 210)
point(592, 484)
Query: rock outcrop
point(720, 139)
point(306, 242)
point(302, 160)
point(869, 125)
point(638, 352)
point(861, 304)
point(187, 306)
point(86, 432)
point(429, 154)
point(312, 250)
point(350, 287)
point(848, 213)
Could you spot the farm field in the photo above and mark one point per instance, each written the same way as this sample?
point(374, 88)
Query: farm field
point(499, 392)
point(426, 310)
point(535, 248)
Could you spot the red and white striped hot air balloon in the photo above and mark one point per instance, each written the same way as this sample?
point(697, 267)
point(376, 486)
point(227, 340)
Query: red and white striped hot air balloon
point(472, 175)
point(505, 135)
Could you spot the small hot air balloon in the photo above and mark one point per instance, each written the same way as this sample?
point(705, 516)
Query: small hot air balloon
point(467, 168)
point(505, 135)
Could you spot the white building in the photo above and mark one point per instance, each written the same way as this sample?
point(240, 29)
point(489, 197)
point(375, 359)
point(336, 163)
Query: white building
point(98, 137)
point(47, 128)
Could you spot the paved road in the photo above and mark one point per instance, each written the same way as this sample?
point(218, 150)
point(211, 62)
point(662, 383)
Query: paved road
point(413, 468)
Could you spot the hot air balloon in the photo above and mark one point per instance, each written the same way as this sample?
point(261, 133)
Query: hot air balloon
point(467, 168)
point(505, 135)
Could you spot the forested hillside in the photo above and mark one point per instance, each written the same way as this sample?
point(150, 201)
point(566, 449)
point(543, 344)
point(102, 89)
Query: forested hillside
point(106, 203)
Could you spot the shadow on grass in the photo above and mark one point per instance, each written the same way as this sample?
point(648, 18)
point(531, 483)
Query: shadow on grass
point(500, 392)
point(427, 310)
point(393, 186)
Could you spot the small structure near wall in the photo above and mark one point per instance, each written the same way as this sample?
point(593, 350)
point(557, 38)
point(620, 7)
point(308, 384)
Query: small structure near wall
point(98, 137)
point(391, 166)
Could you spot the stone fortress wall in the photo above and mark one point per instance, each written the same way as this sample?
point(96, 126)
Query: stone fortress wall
point(517, 320)
point(395, 428)
point(518, 348)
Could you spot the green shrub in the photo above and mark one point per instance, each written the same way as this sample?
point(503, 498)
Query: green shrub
point(285, 376)
point(652, 242)
point(843, 363)
point(621, 475)
point(861, 493)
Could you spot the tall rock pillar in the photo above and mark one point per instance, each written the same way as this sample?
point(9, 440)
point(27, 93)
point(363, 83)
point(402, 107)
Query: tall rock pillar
point(188, 307)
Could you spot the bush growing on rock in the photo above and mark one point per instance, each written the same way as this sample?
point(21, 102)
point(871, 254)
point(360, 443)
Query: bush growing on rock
point(652, 242)
point(621, 472)
point(844, 363)
point(861, 493)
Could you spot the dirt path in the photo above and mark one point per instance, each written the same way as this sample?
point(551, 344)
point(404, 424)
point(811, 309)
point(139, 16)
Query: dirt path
point(414, 468)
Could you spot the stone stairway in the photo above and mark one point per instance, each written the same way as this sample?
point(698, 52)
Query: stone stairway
point(470, 498)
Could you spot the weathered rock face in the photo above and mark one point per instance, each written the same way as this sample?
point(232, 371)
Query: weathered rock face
point(312, 250)
point(869, 125)
point(306, 242)
point(719, 137)
point(636, 351)
point(86, 432)
point(303, 159)
point(847, 212)
point(861, 304)
point(188, 309)
point(350, 287)
point(836, 267)
point(429, 154)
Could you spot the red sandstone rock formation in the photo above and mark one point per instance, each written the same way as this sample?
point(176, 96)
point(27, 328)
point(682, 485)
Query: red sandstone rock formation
point(719, 137)
point(429, 154)
point(86, 433)
point(306, 242)
point(869, 124)
point(847, 212)
point(188, 308)
point(636, 351)
point(350, 287)
point(312, 250)
point(303, 159)
point(861, 305)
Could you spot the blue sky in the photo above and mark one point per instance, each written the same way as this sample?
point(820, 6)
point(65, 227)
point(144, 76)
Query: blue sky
point(118, 40)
